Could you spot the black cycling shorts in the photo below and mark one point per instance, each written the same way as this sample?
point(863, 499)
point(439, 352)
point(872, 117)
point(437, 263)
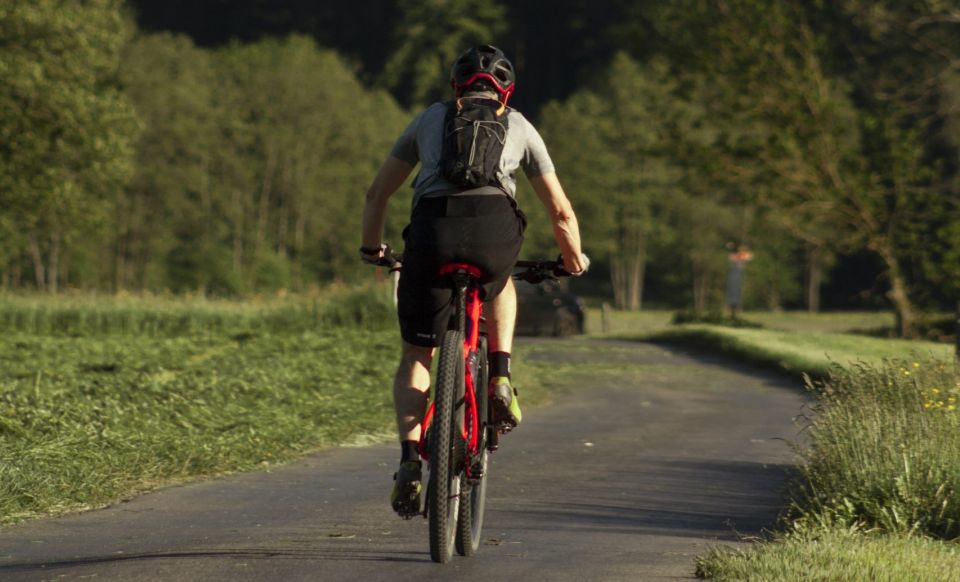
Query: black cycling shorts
point(483, 230)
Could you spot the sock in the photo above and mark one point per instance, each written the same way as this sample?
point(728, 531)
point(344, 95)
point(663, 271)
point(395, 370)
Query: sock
point(499, 364)
point(408, 451)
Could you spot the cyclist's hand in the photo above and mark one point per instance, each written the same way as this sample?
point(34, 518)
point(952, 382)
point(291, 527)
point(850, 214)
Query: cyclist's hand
point(584, 261)
point(373, 255)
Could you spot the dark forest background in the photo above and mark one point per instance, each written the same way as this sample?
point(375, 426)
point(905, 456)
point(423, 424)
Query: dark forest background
point(224, 147)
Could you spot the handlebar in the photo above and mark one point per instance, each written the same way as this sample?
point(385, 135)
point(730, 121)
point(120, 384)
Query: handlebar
point(538, 271)
point(533, 272)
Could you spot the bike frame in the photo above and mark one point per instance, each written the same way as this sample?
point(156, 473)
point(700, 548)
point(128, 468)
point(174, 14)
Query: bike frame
point(468, 311)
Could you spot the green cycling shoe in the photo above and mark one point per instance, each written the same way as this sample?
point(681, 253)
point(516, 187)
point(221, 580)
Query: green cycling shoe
point(504, 404)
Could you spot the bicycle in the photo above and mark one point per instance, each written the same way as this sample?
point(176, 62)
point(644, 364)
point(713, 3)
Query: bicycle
point(458, 456)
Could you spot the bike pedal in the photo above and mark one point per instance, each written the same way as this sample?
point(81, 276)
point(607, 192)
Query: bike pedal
point(505, 427)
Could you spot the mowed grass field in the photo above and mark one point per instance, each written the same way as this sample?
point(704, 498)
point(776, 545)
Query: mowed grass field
point(101, 398)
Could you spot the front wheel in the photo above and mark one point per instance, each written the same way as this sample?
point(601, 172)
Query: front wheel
point(446, 448)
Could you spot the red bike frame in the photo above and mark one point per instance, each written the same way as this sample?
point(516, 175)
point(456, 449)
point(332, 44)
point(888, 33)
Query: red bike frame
point(471, 427)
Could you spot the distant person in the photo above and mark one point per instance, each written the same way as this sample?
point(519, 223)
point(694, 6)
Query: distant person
point(450, 222)
point(736, 272)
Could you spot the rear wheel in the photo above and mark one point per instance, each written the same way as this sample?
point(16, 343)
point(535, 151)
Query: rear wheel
point(446, 450)
point(473, 496)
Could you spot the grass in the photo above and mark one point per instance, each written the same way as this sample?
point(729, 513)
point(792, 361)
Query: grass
point(627, 321)
point(835, 556)
point(884, 453)
point(90, 315)
point(814, 353)
point(829, 321)
point(87, 420)
point(101, 397)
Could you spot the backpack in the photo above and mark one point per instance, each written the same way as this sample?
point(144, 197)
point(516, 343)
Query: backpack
point(473, 140)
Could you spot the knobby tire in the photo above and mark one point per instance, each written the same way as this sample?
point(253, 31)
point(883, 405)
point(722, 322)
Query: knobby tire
point(445, 450)
point(473, 498)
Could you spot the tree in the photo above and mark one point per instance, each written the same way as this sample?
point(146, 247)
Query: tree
point(617, 145)
point(429, 36)
point(834, 159)
point(171, 84)
point(66, 128)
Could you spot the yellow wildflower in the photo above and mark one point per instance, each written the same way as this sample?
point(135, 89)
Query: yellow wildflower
point(916, 364)
point(936, 391)
point(951, 407)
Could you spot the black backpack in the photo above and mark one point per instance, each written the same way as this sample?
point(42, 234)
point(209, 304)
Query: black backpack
point(473, 140)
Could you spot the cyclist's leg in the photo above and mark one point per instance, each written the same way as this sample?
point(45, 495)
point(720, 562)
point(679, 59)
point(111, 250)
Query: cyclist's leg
point(502, 318)
point(411, 386)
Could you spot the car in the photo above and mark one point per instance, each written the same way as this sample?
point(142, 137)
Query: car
point(546, 309)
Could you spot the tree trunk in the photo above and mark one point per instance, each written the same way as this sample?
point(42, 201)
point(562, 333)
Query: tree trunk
point(37, 256)
point(618, 280)
point(299, 231)
point(237, 233)
point(898, 293)
point(701, 285)
point(264, 205)
point(53, 268)
point(637, 265)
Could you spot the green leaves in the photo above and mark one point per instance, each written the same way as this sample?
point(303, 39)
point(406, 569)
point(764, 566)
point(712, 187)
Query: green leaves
point(68, 130)
point(429, 36)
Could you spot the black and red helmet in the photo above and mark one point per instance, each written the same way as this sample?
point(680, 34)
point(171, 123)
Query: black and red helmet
point(483, 62)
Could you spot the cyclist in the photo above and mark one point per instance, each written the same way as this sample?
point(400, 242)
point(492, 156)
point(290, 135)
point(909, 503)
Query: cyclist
point(482, 226)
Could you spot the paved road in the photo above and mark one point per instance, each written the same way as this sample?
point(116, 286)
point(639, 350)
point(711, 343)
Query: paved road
point(660, 455)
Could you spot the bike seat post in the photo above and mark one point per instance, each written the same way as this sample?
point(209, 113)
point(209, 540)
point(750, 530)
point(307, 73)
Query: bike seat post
point(461, 280)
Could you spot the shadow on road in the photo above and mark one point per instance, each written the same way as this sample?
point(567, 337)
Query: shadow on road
point(333, 554)
point(720, 500)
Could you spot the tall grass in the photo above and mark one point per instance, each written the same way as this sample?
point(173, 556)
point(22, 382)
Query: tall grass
point(365, 308)
point(885, 450)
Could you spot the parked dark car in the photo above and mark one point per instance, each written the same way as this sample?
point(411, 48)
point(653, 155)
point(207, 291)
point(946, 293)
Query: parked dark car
point(546, 309)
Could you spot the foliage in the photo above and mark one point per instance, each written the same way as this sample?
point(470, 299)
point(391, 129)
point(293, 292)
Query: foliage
point(808, 131)
point(66, 128)
point(429, 36)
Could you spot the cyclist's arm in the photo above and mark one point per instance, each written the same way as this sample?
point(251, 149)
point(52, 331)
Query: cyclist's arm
point(564, 221)
point(391, 176)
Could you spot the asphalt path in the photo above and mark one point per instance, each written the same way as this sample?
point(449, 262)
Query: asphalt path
point(627, 476)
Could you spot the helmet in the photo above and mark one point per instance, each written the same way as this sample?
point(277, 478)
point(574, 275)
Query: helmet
point(487, 63)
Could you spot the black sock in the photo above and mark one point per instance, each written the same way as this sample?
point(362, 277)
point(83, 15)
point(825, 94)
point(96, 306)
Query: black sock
point(408, 451)
point(499, 364)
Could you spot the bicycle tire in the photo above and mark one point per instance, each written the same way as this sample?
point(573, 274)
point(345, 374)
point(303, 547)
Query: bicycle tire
point(443, 504)
point(473, 497)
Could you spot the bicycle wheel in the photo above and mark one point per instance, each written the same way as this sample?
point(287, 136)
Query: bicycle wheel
point(446, 448)
point(473, 496)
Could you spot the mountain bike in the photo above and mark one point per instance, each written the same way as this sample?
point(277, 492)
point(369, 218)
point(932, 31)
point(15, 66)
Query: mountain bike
point(457, 433)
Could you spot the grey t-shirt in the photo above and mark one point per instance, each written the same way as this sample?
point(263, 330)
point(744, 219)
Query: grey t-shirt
point(422, 141)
